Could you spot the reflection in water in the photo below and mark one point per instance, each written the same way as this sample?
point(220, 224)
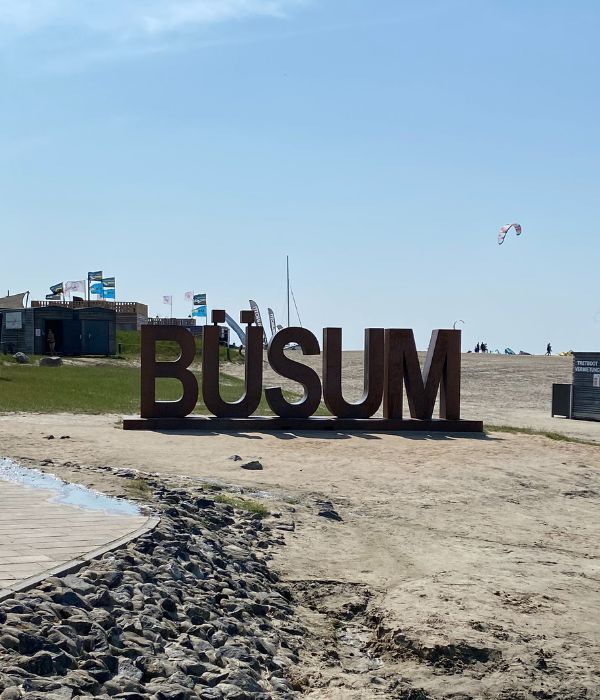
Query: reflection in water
point(71, 494)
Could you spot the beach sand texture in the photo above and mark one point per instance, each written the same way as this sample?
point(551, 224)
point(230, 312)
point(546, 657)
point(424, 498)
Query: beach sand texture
point(461, 564)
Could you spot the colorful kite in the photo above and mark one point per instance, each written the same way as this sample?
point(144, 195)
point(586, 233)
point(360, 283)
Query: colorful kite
point(505, 229)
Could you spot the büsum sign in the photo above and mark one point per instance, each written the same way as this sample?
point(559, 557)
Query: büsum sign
point(392, 370)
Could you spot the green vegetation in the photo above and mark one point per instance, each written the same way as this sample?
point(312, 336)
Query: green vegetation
point(560, 437)
point(139, 488)
point(128, 347)
point(242, 504)
point(93, 389)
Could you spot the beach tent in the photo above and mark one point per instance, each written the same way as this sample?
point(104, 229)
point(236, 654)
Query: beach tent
point(508, 351)
point(13, 301)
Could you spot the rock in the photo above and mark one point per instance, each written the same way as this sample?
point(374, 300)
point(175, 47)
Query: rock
point(21, 358)
point(40, 664)
point(9, 641)
point(70, 598)
point(13, 693)
point(111, 578)
point(326, 510)
point(129, 671)
point(29, 644)
point(235, 458)
point(211, 694)
point(77, 584)
point(50, 361)
point(254, 466)
point(330, 514)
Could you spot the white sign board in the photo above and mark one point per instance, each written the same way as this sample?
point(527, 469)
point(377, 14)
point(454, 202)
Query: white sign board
point(14, 320)
point(597, 380)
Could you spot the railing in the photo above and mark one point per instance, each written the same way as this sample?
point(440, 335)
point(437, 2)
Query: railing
point(169, 322)
point(121, 307)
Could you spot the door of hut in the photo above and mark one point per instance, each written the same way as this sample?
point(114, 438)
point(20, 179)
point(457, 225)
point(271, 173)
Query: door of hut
point(95, 337)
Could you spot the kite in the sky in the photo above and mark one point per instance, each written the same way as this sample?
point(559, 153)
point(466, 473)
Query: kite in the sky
point(505, 229)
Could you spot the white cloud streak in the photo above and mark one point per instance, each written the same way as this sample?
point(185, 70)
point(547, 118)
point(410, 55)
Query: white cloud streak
point(132, 18)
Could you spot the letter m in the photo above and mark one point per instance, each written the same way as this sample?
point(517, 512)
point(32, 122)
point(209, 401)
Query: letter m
point(402, 368)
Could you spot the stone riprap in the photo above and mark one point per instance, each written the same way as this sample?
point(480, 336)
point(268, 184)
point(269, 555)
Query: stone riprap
point(187, 610)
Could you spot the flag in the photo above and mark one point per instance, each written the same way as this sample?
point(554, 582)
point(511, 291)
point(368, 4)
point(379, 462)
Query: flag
point(108, 293)
point(75, 286)
point(53, 297)
point(272, 321)
point(189, 296)
point(57, 288)
point(258, 319)
point(240, 333)
point(97, 288)
point(199, 299)
point(168, 299)
point(109, 282)
point(199, 311)
point(95, 276)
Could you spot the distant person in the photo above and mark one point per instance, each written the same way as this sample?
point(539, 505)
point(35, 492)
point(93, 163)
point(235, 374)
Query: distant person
point(51, 341)
point(483, 347)
point(548, 349)
point(477, 348)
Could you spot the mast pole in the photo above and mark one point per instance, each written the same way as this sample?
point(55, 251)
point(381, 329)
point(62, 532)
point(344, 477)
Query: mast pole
point(287, 266)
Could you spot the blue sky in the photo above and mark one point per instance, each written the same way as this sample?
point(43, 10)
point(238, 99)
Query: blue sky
point(191, 144)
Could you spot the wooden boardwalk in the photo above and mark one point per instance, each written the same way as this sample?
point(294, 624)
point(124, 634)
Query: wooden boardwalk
point(39, 538)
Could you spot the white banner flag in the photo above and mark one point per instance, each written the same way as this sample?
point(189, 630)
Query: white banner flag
point(75, 286)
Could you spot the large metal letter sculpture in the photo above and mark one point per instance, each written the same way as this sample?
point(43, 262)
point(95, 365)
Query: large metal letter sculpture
point(391, 369)
point(151, 369)
point(250, 401)
point(332, 374)
point(291, 369)
point(442, 367)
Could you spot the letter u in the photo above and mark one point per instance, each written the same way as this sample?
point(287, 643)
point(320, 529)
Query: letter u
point(370, 401)
point(250, 400)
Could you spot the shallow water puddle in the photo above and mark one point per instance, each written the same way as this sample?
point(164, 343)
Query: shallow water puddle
point(69, 494)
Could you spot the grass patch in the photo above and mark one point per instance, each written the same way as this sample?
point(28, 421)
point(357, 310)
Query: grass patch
point(138, 488)
point(128, 347)
point(551, 435)
point(94, 389)
point(242, 504)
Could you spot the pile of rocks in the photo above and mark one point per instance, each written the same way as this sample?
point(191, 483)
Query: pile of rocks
point(189, 610)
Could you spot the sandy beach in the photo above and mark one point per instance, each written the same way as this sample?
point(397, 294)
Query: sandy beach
point(464, 566)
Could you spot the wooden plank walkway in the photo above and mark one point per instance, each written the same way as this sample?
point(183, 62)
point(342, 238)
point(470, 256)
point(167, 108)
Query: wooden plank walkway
point(39, 538)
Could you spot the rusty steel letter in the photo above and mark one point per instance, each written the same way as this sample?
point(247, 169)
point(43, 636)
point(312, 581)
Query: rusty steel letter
point(291, 369)
point(442, 368)
point(152, 369)
point(373, 374)
point(249, 402)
